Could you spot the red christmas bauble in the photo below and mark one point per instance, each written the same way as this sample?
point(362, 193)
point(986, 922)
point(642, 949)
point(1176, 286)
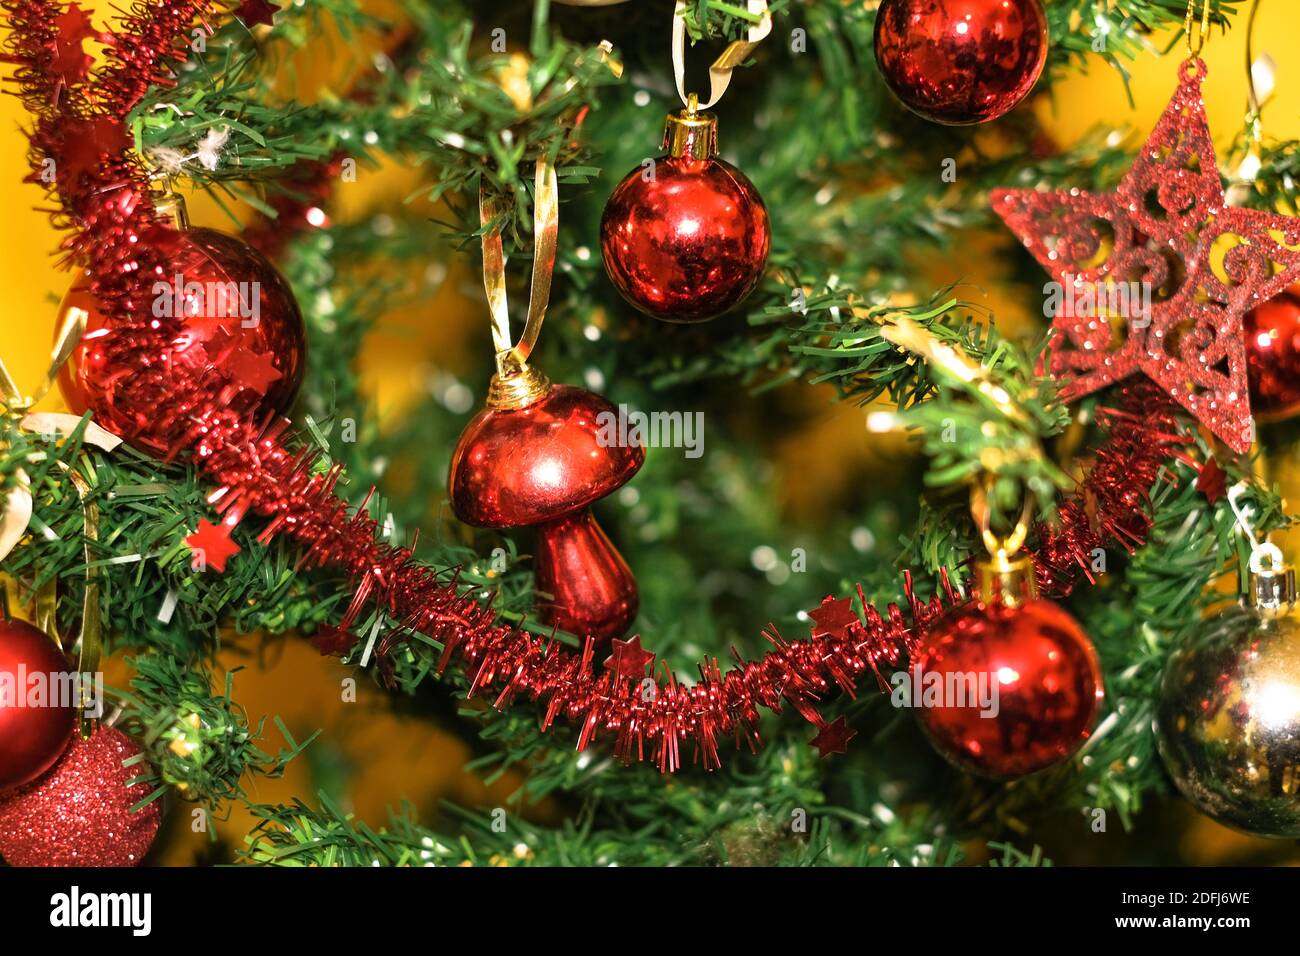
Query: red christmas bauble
point(1273, 356)
point(35, 723)
point(235, 313)
point(79, 813)
point(685, 240)
point(544, 464)
point(959, 62)
point(1018, 687)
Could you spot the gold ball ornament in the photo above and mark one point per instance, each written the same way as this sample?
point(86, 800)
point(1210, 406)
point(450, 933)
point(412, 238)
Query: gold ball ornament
point(1228, 718)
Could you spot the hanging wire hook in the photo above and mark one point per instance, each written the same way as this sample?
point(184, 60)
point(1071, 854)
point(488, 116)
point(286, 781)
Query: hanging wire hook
point(1259, 550)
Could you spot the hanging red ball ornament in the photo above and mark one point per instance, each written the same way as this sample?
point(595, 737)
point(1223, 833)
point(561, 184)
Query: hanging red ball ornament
point(35, 724)
point(1273, 356)
point(540, 455)
point(685, 239)
point(232, 311)
point(1009, 684)
point(960, 62)
point(80, 813)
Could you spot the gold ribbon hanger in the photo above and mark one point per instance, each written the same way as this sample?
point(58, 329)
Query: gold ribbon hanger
point(90, 642)
point(515, 383)
point(1196, 37)
point(733, 56)
point(17, 505)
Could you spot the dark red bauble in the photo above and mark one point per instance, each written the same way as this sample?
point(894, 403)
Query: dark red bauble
point(79, 813)
point(545, 464)
point(35, 724)
point(959, 62)
point(1047, 678)
point(687, 243)
point(1273, 356)
point(234, 312)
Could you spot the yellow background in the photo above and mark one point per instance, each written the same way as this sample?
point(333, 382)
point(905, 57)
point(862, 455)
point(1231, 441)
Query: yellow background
point(404, 756)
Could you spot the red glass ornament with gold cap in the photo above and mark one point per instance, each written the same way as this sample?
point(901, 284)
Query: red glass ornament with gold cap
point(685, 238)
point(1016, 682)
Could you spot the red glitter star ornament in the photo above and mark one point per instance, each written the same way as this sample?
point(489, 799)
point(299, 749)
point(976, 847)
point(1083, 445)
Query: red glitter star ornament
point(211, 543)
point(629, 659)
point(1159, 232)
point(833, 738)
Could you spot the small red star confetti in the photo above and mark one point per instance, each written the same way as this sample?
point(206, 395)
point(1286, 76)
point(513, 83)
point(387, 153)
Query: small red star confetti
point(833, 738)
point(211, 544)
point(1212, 481)
point(333, 641)
point(88, 143)
point(70, 62)
point(833, 617)
point(1158, 233)
point(253, 12)
point(628, 659)
point(253, 370)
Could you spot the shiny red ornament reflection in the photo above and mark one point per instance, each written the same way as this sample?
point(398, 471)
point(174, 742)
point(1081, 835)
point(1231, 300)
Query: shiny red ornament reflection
point(1273, 356)
point(544, 465)
point(959, 62)
point(1048, 684)
point(33, 732)
point(687, 239)
point(223, 306)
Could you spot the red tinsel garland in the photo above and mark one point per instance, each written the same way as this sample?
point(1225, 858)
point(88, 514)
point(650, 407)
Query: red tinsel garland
point(1110, 505)
point(104, 199)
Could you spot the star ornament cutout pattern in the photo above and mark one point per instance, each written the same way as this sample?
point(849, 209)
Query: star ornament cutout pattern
point(1166, 231)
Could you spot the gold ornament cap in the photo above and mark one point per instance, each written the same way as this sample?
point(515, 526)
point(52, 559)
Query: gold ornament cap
point(691, 134)
point(1006, 579)
point(1270, 591)
point(517, 389)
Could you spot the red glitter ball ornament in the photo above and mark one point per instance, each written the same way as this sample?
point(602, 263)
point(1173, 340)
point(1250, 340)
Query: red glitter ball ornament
point(541, 455)
point(1273, 356)
point(1015, 686)
point(223, 306)
point(960, 62)
point(685, 240)
point(79, 813)
point(33, 730)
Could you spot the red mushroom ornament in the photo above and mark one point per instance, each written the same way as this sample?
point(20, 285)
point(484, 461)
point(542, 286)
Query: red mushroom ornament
point(537, 455)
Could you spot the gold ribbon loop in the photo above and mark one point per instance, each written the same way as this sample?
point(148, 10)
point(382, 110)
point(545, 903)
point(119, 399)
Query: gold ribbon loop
point(983, 515)
point(736, 53)
point(1196, 37)
point(512, 358)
